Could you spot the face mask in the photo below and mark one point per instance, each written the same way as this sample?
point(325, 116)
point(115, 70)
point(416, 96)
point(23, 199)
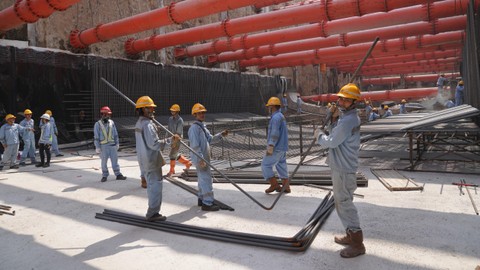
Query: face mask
point(105, 119)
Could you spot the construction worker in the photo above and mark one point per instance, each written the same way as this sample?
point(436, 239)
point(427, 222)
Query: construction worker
point(368, 109)
point(403, 107)
point(299, 104)
point(149, 155)
point(175, 125)
point(387, 112)
point(9, 137)
point(28, 138)
point(373, 115)
point(440, 83)
point(344, 145)
point(459, 94)
point(54, 135)
point(105, 138)
point(45, 141)
point(200, 140)
point(277, 147)
point(284, 103)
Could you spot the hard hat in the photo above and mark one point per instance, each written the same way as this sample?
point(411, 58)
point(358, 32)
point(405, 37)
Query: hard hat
point(375, 109)
point(367, 102)
point(45, 116)
point(144, 101)
point(175, 108)
point(329, 105)
point(198, 108)
point(385, 107)
point(460, 83)
point(349, 91)
point(9, 116)
point(105, 109)
point(403, 101)
point(48, 112)
point(27, 111)
point(274, 101)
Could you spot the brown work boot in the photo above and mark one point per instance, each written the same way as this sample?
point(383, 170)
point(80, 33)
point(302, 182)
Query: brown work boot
point(356, 248)
point(172, 168)
point(286, 184)
point(344, 239)
point(274, 186)
point(185, 162)
point(144, 182)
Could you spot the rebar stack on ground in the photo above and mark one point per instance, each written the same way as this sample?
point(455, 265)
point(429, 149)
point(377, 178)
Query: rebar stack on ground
point(5, 209)
point(298, 243)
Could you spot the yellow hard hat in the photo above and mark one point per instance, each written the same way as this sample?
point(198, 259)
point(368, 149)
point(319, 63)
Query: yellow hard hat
point(274, 101)
point(329, 105)
point(403, 101)
point(349, 91)
point(48, 112)
point(460, 82)
point(385, 107)
point(175, 108)
point(144, 101)
point(198, 108)
point(27, 111)
point(9, 116)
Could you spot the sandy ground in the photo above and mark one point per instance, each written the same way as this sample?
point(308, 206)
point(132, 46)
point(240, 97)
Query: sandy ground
point(55, 226)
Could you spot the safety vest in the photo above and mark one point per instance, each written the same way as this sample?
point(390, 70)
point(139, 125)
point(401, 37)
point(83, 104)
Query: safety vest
point(106, 138)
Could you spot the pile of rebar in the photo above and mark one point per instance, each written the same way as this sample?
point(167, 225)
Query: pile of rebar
point(7, 210)
point(299, 242)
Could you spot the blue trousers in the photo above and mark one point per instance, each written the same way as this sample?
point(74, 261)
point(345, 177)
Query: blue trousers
point(28, 150)
point(10, 155)
point(344, 185)
point(154, 191)
point(109, 151)
point(205, 186)
point(277, 159)
point(55, 144)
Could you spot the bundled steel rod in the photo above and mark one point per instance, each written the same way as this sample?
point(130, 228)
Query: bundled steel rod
point(299, 242)
point(470, 195)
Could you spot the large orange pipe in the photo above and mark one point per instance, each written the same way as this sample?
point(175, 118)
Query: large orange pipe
point(412, 78)
point(385, 45)
point(395, 95)
point(29, 11)
point(411, 70)
point(332, 61)
point(175, 13)
point(412, 29)
point(325, 10)
point(449, 60)
point(417, 13)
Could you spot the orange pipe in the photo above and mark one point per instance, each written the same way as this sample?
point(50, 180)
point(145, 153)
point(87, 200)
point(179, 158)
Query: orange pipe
point(412, 70)
point(395, 95)
point(412, 29)
point(385, 45)
point(335, 60)
point(29, 11)
point(413, 78)
point(175, 13)
point(325, 10)
point(417, 13)
point(449, 60)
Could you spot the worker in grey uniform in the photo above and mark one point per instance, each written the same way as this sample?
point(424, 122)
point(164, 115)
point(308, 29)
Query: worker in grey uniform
point(105, 138)
point(344, 145)
point(200, 140)
point(55, 148)
point(45, 141)
point(9, 137)
point(28, 138)
point(175, 126)
point(149, 155)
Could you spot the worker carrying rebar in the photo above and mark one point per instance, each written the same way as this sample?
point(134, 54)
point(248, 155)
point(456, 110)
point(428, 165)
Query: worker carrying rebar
point(459, 94)
point(52, 122)
point(344, 145)
point(149, 155)
point(28, 138)
point(277, 147)
point(105, 138)
point(45, 140)
point(9, 137)
point(403, 106)
point(175, 125)
point(200, 140)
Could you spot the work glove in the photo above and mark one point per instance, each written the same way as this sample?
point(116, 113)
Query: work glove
point(317, 133)
point(97, 150)
point(117, 146)
point(269, 150)
point(225, 132)
point(176, 138)
point(202, 164)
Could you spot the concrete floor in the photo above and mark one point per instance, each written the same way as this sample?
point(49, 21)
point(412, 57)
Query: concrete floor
point(54, 226)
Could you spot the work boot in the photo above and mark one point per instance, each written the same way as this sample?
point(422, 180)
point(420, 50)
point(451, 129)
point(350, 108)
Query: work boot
point(1, 168)
point(144, 182)
point(172, 168)
point(121, 177)
point(156, 217)
point(23, 163)
point(286, 184)
point(39, 164)
point(14, 167)
point(185, 162)
point(274, 186)
point(356, 248)
point(199, 202)
point(104, 179)
point(212, 207)
point(343, 239)
point(59, 155)
point(46, 165)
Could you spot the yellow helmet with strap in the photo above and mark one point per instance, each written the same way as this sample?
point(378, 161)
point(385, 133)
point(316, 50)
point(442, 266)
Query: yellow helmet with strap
point(350, 91)
point(198, 108)
point(274, 101)
point(144, 101)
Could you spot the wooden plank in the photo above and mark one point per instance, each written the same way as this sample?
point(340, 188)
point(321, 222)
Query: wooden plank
point(395, 181)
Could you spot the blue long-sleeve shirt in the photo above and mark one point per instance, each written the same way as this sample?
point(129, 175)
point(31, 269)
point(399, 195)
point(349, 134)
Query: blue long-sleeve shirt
point(175, 125)
point(200, 140)
point(28, 134)
point(148, 146)
point(373, 116)
point(344, 143)
point(403, 109)
point(46, 133)
point(277, 132)
point(9, 134)
point(99, 136)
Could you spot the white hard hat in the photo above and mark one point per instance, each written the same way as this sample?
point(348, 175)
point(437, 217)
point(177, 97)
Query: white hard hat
point(45, 116)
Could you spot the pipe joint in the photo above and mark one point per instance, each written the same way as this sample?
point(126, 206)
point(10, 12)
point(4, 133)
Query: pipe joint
point(27, 17)
point(342, 40)
point(213, 45)
point(129, 46)
point(243, 41)
point(427, 7)
point(52, 4)
point(32, 10)
point(170, 10)
point(325, 8)
point(271, 49)
point(225, 27)
point(229, 43)
point(97, 35)
point(385, 4)
point(433, 27)
point(321, 28)
point(75, 39)
point(359, 11)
